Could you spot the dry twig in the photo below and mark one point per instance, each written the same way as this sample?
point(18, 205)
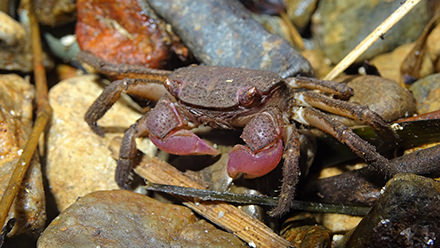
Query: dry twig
point(44, 112)
point(371, 38)
point(251, 230)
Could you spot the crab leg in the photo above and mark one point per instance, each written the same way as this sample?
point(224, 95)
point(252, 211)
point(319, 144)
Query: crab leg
point(360, 147)
point(340, 90)
point(123, 70)
point(127, 157)
point(291, 172)
point(347, 109)
point(111, 93)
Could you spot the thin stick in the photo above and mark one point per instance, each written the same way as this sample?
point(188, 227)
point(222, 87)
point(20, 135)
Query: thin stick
point(44, 112)
point(371, 38)
point(251, 230)
point(210, 195)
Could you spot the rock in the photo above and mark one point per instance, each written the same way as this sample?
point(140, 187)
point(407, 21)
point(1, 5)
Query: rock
point(303, 231)
point(433, 47)
point(15, 47)
point(127, 32)
point(55, 13)
point(78, 160)
point(274, 24)
point(122, 218)
point(385, 97)
point(388, 64)
point(341, 25)
point(426, 91)
point(406, 215)
point(300, 12)
point(224, 33)
point(16, 110)
point(337, 223)
point(320, 63)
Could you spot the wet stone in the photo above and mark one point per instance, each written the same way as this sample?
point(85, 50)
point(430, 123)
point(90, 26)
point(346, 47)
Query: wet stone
point(78, 160)
point(303, 231)
point(340, 25)
point(127, 32)
point(385, 97)
point(15, 48)
point(120, 218)
point(300, 12)
point(406, 215)
point(427, 93)
point(16, 108)
point(55, 13)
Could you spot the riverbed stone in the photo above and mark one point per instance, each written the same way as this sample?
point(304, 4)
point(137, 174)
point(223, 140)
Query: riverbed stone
point(78, 160)
point(342, 24)
point(120, 218)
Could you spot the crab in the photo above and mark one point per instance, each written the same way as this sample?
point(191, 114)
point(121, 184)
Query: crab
point(266, 106)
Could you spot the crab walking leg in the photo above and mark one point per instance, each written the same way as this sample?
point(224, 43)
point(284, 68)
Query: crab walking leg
point(340, 90)
point(345, 135)
point(127, 157)
point(291, 172)
point(123, 70)
point(111, 93)
point(347, 109)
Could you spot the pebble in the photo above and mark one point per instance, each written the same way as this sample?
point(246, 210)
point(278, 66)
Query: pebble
point(427, 93)
point(78, 160)
point(384, 96)
point(340, 25)
point(15, 47)
point(120, 218)
point(406, 215)
point(16, 113)
point(300, 12)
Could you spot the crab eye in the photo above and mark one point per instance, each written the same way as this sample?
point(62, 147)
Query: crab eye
point(249, 97)
point(171, 86)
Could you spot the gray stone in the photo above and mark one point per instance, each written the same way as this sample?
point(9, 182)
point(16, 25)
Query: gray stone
point(342, 24)
point(406, 215)
point(122, 218)
point(427, 93)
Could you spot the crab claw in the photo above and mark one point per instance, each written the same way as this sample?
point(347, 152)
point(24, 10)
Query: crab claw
point(183, 142)
point(243, 161)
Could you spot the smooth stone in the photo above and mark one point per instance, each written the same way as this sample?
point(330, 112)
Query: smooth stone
point(16, 113)
point(406, 215)
point(426, 91)
point(300, 12)
point(15, 46)
point(121, 218)
point(78, 160)
point(384, 96)
point(342, 24)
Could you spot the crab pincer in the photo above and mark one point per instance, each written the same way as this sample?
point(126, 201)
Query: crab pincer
point(183, 142)
point(263, 135)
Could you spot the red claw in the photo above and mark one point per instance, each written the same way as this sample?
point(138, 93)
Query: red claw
point(184, 142)
point(243, 161)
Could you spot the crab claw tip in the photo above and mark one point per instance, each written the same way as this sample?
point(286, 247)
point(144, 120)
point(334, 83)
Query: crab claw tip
point(242, 161)
point(184, 142)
